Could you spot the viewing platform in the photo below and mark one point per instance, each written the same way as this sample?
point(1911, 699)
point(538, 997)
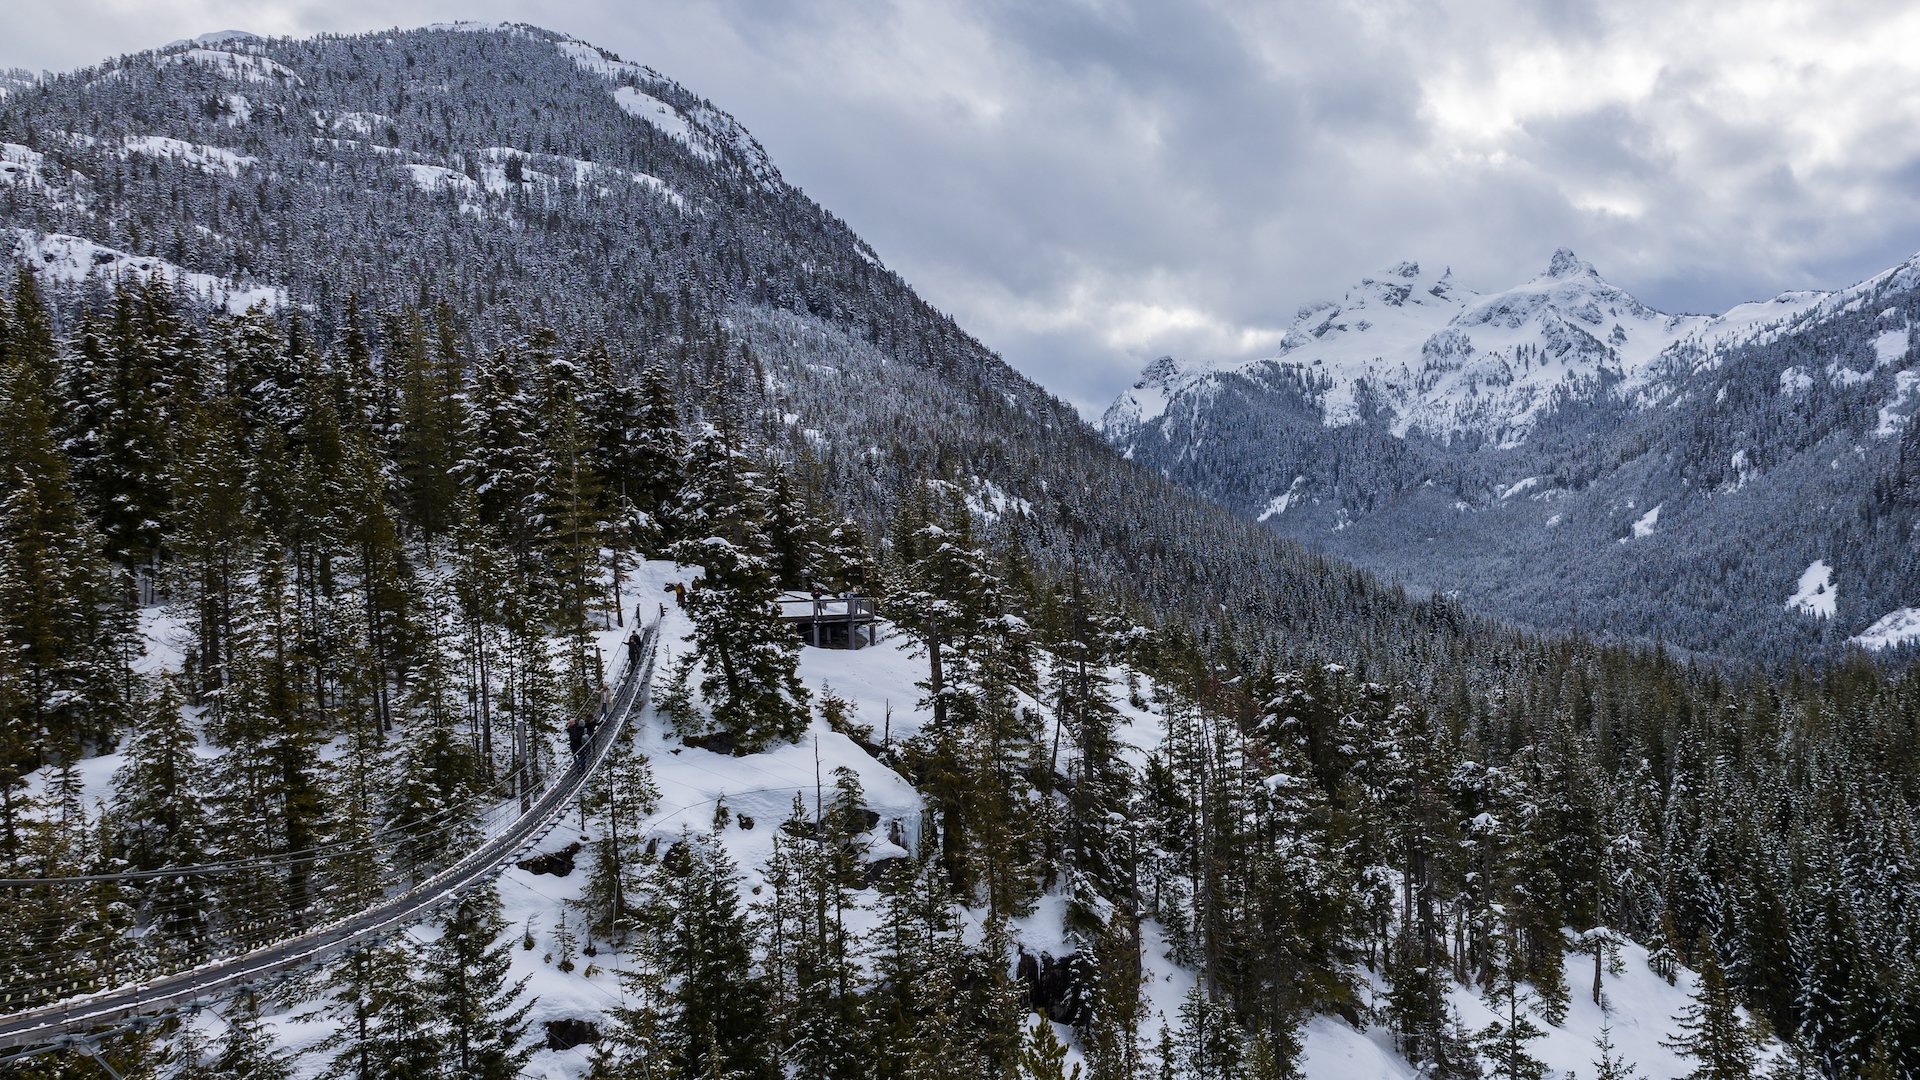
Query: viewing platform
point(831, 622)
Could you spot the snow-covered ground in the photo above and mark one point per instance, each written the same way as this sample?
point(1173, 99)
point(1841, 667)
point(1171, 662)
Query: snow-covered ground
point(1644, 525)
point(211, 159)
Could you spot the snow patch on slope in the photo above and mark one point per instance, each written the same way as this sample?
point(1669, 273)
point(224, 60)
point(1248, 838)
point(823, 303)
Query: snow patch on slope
point(1279, 503)
point(1890, 347)
point(1816, 594)
point(1891, 418)
point(1519, 487)
point(661, 115)
point(437, 177)
point(62, 258)
point(207, 159)
point(22, 166)
point(1644, 525)
point(1897, 627)
point(233, 65)
point(705, 130)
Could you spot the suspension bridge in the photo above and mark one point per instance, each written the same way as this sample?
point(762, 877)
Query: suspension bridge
point(49, 1011)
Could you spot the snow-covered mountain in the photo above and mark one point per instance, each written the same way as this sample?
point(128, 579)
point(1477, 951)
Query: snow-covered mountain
point(1389, 425)
point(1421, 353)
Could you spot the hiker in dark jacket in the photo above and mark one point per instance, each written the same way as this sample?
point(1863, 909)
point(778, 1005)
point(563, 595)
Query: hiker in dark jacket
point(576, 738)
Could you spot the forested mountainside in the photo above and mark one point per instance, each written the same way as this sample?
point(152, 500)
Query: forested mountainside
point(331, 573)
point(520, 179)
point(1744, 486)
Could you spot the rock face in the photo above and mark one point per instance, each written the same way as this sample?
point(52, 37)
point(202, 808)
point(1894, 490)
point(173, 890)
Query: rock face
point(1056, 986)
point(569, 1033)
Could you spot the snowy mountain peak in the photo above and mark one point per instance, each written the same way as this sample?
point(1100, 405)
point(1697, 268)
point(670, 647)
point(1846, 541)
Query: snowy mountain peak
point(1566, 264)
point(1396, 286)
point(1158, 384)
point(1159, 372)
point(1422, 353)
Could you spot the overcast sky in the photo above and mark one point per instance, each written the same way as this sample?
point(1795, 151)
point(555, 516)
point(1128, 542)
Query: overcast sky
point(1088, 185)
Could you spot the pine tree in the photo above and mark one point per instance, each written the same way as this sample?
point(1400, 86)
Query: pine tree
point(1042, 1055)
point(466, 977)
point(746, 654)
point(650, 470)
point(164, 820)
point(440, 774)
point(1209, 1042)
point(942, 593)
point(1115, 1009)
point(212, 541)
point(247, 1050)
point(570, 490)
point(427, 444)
point(501, 466)
point(1609, 1065)
point(1711, 1030)
point(717, 1018)
point(1504, 1042)
point(618, 801)
point(383, 1029)
point(62, 609)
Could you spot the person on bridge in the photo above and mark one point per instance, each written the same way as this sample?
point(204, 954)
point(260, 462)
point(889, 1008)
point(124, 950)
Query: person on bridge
point(576, 739)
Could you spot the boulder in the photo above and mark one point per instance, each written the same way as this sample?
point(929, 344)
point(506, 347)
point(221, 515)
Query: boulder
point(569, 1033)
point(557, 863)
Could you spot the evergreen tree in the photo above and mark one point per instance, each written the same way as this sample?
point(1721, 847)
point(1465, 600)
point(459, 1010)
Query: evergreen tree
point(1209, 1042)
point(62, 616)
point(746, 654)
point(383, 1028)
point(247, 1050)
point(1609, 1065)
point(164, 819)
point(1043, 1056)
point(618, 801)
point(717, 1018)
point(570, 490)
point(1504, 1042)
point(485, 1023)
point(1711, 1031)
